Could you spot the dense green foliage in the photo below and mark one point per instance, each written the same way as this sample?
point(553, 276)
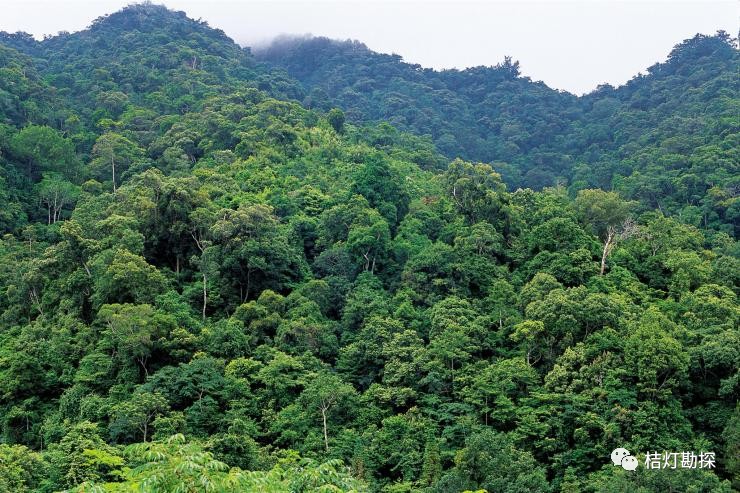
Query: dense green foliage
point(668, 138)
point(207, 286)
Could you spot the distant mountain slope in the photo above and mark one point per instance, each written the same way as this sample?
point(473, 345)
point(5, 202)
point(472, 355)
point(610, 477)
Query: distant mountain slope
point(24, 95)
point(666, 137)
point(671, 138)
point(158, 57)
point(484, 113)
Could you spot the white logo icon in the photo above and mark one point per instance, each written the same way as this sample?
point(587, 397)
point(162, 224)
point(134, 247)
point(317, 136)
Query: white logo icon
point(629, 463)
point(622, 457)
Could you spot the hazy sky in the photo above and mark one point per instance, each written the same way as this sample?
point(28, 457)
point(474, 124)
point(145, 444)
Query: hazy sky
point(571, 45)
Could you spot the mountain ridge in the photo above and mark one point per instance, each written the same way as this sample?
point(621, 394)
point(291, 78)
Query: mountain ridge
point(207, 284)
point(534, 135)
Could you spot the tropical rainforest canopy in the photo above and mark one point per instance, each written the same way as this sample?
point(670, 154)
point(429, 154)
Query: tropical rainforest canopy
point(294, 270)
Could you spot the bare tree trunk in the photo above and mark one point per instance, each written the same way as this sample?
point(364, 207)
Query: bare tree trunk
point(326, 434)
point(205, 295)
point(142, 362)
point(36, 300)
point(607, 249)
point(113, 168)
point(58, 210)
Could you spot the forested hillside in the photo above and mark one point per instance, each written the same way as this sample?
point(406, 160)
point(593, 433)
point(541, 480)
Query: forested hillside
point(219, 275)
point(667, 138)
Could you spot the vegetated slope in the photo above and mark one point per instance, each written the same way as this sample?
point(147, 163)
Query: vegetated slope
point(672, 137)
point(158, 59)
point(481, 113)
point(672, 133)
point(240, 293)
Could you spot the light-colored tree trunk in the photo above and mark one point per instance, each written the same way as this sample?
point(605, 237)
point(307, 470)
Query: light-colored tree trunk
point(326, 433)
point(205, 295)
point(608, 243)
point(113, 170)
